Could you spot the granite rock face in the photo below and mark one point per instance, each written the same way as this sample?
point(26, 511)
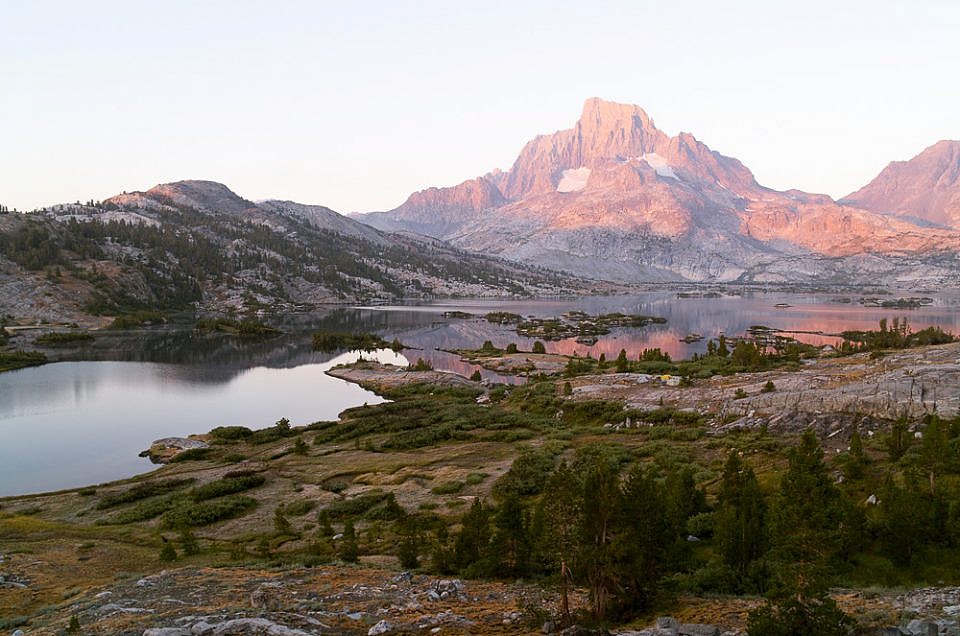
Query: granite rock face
point(615, 198)
point(926, 187)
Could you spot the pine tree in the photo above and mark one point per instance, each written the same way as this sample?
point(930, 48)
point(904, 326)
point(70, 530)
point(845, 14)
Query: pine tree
point(855, 459)
point(300, 447)
point(349, 551)
point(652, 521)
point(323, 519)
point(622, 365)
point(472, 541)
point(934, 452)
point(899, 440)
point(411, 538)
point(188, 542)
point(168, 553)
point(281, 524)
point(599, 547)
point(509, 549)
point(811, 523)
point(559, 518)
point(740, 520)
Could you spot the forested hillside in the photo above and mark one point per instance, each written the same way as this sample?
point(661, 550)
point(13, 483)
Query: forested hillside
point(173, 249)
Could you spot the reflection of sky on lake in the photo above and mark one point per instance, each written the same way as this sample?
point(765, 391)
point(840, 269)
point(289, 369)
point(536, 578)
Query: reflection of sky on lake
point(75, 423)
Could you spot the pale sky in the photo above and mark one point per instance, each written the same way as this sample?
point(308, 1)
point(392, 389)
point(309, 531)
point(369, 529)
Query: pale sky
point(355, 105)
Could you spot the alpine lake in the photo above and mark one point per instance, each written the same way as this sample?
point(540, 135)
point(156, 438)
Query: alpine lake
point(85, 418)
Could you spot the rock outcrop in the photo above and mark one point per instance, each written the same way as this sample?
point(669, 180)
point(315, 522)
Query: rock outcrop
point(618, 199)
point(438, 211)
point(163, 450)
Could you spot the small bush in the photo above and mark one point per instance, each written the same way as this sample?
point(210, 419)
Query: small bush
point(59, 339)
point(142, 511)
point(191, 454)
point(474, 479)
point(227, 486)
point(202, 514)
point(168, 552)
point(448, 488)
point(143, 491)
point(299, 508)
point(230, 433)
point(356, 506)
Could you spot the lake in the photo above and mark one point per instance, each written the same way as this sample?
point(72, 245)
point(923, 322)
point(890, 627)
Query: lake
point(84, 420)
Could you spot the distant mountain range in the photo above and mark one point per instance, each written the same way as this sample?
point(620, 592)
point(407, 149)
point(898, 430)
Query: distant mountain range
point(611, 199)
point(196, 244)
point(616, 198)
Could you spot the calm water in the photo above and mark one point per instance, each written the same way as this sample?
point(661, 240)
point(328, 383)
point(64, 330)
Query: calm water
point(75, 423)
point(83, 421)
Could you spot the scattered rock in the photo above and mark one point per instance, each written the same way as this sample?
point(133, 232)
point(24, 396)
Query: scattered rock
point(918, 627)
point(382, 627)
point(696, 629)
point(245, 627)
point(267, 596)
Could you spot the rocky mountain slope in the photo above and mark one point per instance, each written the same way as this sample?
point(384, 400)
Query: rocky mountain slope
point(198, 244)
point(925, 188)
point(437, 211)
point(616, 198)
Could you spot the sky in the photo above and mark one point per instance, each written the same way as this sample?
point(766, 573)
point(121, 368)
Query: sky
point(355, 105)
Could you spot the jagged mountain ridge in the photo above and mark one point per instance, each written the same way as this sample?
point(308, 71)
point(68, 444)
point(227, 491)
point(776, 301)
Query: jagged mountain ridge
point(197, 244)
point(927, 187)
point(616, 198)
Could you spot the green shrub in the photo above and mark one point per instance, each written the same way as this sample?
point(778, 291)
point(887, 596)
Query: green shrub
point(227, 486)
point(57, 339)
point(143, 491)
point(331, 341)
point(448, 488)
point(527, 475)
point(230, 433)
point(205, 513)
point(299, 508)
point(143, 511)
point(168, 552)
point(474, 479)
point(356, 506)
point(191, 454)
point(138, 319)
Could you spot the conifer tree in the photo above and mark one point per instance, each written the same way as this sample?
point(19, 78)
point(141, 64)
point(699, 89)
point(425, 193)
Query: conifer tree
point(740, 520)
point(472, 541)
point(509, 549)
point(349, 551)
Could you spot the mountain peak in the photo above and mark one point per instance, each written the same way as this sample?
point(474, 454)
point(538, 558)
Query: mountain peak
point(599, 112)
point(194, 193)
point(926, 187)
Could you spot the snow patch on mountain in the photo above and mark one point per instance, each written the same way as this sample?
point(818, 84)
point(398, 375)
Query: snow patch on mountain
point(660, 165)
point(573, 180)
